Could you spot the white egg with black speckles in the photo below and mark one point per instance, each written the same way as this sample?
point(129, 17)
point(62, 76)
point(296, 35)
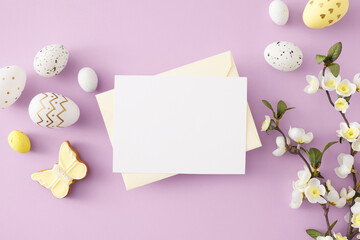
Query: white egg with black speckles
point(283, 56)
point(51, 60)
point(12, 83)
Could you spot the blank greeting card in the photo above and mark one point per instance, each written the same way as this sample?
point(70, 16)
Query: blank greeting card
point(194, 125)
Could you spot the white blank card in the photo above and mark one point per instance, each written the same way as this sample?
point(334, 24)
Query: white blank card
point(193, 125)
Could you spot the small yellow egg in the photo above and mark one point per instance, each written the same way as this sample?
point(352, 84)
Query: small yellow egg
point(19, 141)
point(324, 13)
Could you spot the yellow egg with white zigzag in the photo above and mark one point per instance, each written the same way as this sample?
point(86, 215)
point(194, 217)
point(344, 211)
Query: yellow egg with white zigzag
point(324, 13)
point(52, 110)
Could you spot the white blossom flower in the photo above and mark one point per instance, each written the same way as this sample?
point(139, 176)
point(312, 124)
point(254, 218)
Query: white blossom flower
point(356, 81)
point(356, 145)
point(345, 88)
point(329, 82)
point(313, 86)
point(358, 236)
point(347, 217)
point(355, 220)
point(334, 199)
point(281, 147)
point(338, 236)
point(347, 195)
point(266, 123)
point(296, 199)
point(346, 162)
point(349, 133)
point(329, 186)
point(299, 135)
point(341, 105)
point(324, 238)
point(304, 177)
point(315, 191)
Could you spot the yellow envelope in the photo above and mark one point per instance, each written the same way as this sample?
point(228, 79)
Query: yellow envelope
point(221, 65)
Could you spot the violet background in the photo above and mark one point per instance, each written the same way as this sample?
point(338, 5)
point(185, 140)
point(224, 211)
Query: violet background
point(146, 38)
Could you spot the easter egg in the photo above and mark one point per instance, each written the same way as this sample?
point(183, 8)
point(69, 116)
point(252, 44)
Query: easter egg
point(283, 56)
point(12, 83)
point(52, 110)
point(51, 60)
point(324, 13)
point(19, 141)
point(279, 12)
point(88, 79)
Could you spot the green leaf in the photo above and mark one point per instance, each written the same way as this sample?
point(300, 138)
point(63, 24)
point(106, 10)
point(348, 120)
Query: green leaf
point(347, 98)
point(315, 157)
point(290, 108)
point(328, 145)
point(334, 52)
point(306, 151)
point(313, 233)
point(335, 69)
point(331, 227)
point(320, 58)
point(281, 109)
point(267, 104)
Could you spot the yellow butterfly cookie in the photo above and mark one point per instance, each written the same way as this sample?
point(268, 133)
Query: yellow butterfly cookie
point(63, 174)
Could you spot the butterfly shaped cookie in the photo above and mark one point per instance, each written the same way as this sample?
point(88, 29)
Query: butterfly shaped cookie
point(63, 174)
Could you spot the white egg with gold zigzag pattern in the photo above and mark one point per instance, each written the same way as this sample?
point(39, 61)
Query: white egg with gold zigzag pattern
point(52, 110)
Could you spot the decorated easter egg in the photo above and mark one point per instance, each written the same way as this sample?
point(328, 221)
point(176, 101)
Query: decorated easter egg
point(283, 56)
point(12, 83)
point(51, 60)
point(19, 141)
point(323, 13)
point(279, 12)
point(53, 110)
point(88, 79)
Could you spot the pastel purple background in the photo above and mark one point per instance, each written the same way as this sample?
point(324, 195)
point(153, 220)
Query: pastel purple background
point(149, 37)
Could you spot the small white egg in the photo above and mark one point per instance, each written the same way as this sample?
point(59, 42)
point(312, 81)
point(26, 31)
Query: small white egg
point(88, 79)
point(279, 12)
point(51, 60)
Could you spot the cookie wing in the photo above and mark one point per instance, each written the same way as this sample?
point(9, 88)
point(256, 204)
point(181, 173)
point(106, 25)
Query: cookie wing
point(60, 189)
point(67, 155)
point(69, 159)
point(46, 178)
point(78, 171)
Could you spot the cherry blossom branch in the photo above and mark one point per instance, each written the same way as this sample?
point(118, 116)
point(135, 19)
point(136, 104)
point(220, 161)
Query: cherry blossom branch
point(294, 150)
point(350, 231)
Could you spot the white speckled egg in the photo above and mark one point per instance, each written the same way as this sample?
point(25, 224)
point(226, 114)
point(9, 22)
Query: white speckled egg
point(53, 110)
point(12, 83)
point(284, 56)
point(88, 79)
point(279, 12)
point(51, 60)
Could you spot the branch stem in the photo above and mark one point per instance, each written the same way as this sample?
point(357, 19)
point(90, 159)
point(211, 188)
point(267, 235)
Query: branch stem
point(326, 215)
